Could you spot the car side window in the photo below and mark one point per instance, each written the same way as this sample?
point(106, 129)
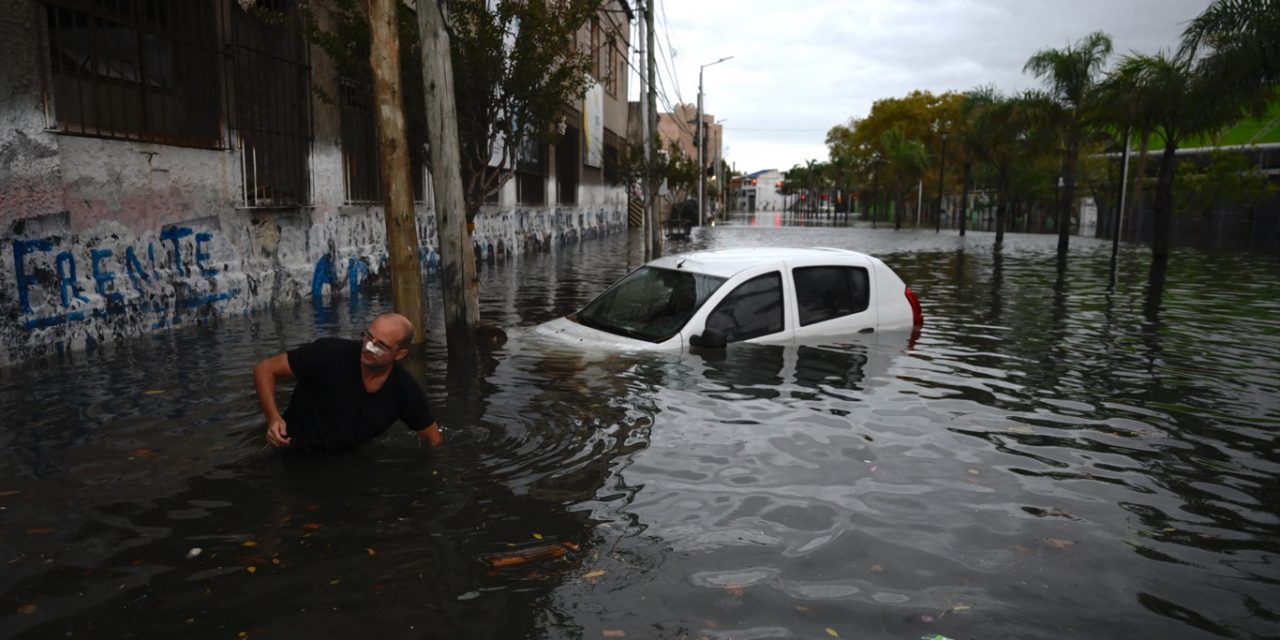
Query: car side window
point(825, 293)
point(752, 310)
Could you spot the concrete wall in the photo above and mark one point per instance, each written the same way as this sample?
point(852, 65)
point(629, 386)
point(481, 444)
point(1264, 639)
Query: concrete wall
point(106, 240)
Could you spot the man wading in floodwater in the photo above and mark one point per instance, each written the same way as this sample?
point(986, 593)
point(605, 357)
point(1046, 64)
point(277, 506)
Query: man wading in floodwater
point(349, 391)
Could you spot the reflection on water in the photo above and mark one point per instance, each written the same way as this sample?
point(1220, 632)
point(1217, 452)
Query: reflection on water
point(1051, 457)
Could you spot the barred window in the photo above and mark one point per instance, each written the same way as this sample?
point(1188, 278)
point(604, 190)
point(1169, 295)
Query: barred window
point(568, 154)
point(531, 172)
point(145, 70)
point(272, 76)
point(361, 171)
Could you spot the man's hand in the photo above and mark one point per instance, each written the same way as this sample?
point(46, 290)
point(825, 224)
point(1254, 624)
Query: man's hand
point(432, 434)
point(277, 434)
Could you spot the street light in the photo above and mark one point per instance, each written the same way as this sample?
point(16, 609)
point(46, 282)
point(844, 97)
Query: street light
point(942, 169)
point(702, 152)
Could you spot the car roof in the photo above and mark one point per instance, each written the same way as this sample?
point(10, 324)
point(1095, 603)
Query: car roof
point(726, 263)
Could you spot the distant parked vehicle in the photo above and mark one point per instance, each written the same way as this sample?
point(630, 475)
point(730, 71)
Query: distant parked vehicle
point(767, 295)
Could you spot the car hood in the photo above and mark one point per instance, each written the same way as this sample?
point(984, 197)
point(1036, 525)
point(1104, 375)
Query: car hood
point(566, 331)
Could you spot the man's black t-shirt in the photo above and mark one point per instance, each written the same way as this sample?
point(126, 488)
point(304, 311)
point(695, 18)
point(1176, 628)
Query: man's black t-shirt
point(330, 409)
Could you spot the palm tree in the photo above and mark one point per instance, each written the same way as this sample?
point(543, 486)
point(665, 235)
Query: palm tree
point(1175, 102)
point(1243, 38)
point(1126, 114)
point(995, 129)
point(1071, 74)
point(906, 160)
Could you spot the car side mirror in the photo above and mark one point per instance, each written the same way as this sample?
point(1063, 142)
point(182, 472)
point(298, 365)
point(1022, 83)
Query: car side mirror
point(709, 339)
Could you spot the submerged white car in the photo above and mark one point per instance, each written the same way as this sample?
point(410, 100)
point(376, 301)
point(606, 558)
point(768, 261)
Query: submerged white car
point(765, 295)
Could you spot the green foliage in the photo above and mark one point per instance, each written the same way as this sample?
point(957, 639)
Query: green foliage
point(1228, 178)
point(1241, 43)
point(669, 166)
point(515, 71)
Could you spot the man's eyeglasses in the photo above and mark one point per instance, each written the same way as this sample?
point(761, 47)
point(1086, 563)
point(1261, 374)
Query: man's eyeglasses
point(376, 347)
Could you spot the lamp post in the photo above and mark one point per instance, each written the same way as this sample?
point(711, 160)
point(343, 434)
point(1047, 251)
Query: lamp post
point(702, 144)
point(942, 170)
point(875, 190)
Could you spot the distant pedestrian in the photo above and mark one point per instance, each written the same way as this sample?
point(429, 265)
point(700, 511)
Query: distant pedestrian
point(349, 391)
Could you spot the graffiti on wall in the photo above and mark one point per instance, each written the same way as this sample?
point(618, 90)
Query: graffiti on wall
point(168, 275)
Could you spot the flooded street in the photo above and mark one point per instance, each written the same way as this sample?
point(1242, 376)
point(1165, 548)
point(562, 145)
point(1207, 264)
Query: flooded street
point(1050, 458)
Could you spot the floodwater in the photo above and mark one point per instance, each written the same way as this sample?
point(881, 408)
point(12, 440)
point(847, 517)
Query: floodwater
point(1050, 458)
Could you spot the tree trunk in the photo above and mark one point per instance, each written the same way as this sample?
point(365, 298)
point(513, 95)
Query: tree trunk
point(964, 196)
point(1161, 222)
point(458, 284)
point(1002, 202)
point(1068, 192)
point(1139, 177)
point(899, 202)
point(393, 159)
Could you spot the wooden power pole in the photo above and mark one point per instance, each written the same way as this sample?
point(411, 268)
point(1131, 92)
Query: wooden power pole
point(458, 283)
point(651, 182)
point(393, 158)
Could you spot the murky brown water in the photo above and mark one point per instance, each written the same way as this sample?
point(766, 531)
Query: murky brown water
point(1051, 458)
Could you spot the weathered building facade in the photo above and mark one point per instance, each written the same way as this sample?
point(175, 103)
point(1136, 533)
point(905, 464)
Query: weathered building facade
point(165, 163)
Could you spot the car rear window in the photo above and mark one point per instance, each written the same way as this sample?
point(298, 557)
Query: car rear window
point(825, 293)
point(752, 310)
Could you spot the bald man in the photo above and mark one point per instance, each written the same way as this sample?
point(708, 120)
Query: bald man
point(349, 391)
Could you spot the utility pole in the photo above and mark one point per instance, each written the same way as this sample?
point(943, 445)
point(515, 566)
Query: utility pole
point(651, 182)
point(458, 284)
point(393, 159)
point(645, 134)
point(702, 147)
point(1119, 226)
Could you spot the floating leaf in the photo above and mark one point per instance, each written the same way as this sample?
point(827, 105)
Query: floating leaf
point(370, 551)
point(537, 536)
point(334, 581)
point(614, 633)
point(960, 607)
point(37, 530)
point(251, 569)
point(1058, 543)
point(275, 561)
point(153, 392)
point(9, 493)
point(875, 568)
point(832, 632)
point(803, 609)
point(248, 543)
point(593, 574)
point(735, 590)
point(313, 526)
point(142, 453)
point(27, 609)
point(193, 552)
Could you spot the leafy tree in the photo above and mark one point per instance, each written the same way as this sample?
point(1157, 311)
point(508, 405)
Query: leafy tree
point(1228, 178)
point(521, 71)
point(1071, 75)
point(904, 163)
point(669, 167)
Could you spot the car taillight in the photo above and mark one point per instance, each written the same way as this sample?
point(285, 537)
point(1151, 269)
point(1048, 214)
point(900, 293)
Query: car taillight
point(917, 316)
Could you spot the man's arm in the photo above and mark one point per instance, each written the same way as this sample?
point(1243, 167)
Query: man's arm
point(264, 381)
point(431, 433)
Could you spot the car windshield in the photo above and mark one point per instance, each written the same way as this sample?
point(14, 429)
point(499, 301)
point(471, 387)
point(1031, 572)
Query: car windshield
point(649, 304)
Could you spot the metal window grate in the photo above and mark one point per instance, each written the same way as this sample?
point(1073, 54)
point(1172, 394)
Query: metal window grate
point(145, 70)
point(271, 73)
point(360, 169)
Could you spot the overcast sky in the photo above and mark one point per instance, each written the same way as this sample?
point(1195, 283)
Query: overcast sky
point(800, 67)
